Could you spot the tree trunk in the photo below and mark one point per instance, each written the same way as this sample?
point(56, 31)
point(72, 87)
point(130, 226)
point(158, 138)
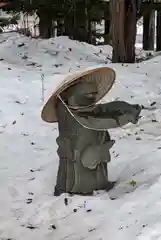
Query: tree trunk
point(81, 22)
point(69, 26)
point(45, 24)
point(123, 23)
point(130, 30)
point(148, 30)
point(107, 25)
point(60, 28)
point(117, 25)
point(91, 32)
point(158, 47)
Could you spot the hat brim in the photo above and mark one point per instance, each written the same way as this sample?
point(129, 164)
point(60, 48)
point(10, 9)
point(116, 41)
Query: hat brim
point(103, 76)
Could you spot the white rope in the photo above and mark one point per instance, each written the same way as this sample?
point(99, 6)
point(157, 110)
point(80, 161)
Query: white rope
point(73, 115)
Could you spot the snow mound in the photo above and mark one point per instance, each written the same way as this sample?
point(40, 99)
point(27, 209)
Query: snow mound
point(56, 54)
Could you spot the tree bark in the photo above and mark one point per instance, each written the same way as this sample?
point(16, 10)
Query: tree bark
point(45, 24)
point(117, 30)
point(60, 28)
point(81, 22)
point(69, 26)
point(107, 25)
point(91, 32)
point(130, 30)
point(123, 22)
point(148, 30)
point(158, 47)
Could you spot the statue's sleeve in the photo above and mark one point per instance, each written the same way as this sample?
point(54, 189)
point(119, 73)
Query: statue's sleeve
point(91, 153)
point(111, 115)
point(94, 154)
point(104, 123)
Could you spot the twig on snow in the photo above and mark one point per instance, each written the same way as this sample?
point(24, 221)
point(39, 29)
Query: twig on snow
point(42, 87)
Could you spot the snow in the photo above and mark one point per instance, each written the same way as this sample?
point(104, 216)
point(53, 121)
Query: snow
point(28, 158)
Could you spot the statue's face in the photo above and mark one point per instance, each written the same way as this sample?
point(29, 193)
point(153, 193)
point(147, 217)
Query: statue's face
point(81, 94)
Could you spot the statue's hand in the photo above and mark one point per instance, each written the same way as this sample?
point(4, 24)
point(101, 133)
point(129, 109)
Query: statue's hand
point(130, 116)
point(135, 112)
point(119, 110)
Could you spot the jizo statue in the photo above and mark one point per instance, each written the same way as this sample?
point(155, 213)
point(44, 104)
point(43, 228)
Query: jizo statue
point(84, 142)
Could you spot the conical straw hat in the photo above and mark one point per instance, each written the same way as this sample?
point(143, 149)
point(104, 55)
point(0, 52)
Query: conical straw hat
point(104, 78)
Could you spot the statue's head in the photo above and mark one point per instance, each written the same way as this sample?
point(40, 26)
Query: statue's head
point(81, 89)
point(81, 94)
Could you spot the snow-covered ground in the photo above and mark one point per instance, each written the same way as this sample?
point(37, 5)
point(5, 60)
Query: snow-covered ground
point(28, 158)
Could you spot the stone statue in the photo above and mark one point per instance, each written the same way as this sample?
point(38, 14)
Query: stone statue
point(84, 142)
